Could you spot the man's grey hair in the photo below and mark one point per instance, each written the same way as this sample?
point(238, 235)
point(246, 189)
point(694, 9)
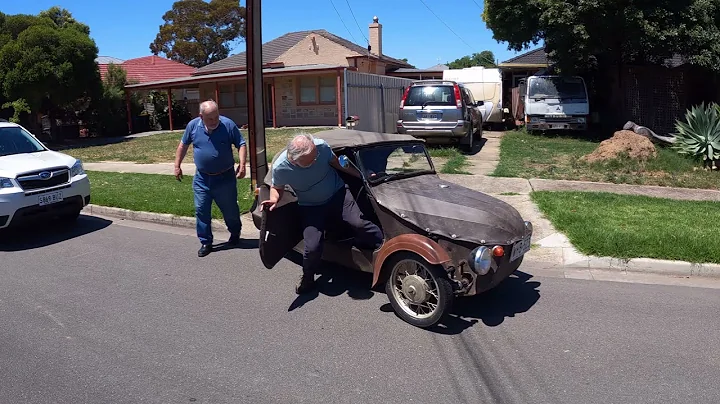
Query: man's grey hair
point(300, 145)
point(208, 105)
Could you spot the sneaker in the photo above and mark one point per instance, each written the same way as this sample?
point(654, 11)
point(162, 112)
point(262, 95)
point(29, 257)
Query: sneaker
point(306, 284)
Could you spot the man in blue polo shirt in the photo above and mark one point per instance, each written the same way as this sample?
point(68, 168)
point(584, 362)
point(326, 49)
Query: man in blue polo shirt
point(212, 137)
point(309, 166)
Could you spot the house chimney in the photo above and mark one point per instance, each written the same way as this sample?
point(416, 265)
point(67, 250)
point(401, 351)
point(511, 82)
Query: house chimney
point(376, 37)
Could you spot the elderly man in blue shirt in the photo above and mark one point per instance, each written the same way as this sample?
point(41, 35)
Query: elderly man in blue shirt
point(212, 137)
point(310, 167)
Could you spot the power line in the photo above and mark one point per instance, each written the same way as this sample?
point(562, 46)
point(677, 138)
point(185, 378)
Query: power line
point(343, 22)
point(478, 6)
point(356, 22)
point(451, 30)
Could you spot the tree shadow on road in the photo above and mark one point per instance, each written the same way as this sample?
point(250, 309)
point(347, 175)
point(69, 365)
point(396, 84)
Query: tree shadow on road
point(47, 233)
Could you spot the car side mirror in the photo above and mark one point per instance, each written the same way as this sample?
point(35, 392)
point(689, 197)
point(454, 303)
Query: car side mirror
point(344, 161)
point(480, 103)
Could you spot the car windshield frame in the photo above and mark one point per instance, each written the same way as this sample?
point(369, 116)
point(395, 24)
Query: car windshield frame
point(575, 87)
point(39, 147)
point(409, 100)
point(396, 175)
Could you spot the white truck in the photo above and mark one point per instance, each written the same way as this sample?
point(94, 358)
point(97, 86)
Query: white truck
point(485, 84)
point(555, 102)
point(35, 182)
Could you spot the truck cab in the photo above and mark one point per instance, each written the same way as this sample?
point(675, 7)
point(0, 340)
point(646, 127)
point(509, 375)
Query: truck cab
point(555, 102)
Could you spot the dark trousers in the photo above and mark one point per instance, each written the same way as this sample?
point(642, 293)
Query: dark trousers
point(316, 219)
point(222, 189)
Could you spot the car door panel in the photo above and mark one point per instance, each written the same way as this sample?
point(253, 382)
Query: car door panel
point(280, 229)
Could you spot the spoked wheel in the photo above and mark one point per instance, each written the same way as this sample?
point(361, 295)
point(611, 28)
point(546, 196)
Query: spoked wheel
point(419, 293)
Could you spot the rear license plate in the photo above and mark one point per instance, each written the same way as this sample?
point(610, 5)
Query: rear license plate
point(430, 116)
point(520, 248)
point(557, 126)
point(48, 199)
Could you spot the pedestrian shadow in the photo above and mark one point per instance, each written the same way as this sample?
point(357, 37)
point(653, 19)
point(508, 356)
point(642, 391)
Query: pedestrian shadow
point(47, 233)
point(245, 244)
point(515, 295)
point(333, 281)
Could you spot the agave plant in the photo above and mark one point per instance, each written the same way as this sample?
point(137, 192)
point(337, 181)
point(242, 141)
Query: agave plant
point(700, 134)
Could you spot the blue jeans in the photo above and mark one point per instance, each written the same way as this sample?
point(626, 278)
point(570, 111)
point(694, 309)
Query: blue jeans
point(221, 188)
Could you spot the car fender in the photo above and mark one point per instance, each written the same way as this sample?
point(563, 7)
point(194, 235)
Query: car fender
point(428, 249)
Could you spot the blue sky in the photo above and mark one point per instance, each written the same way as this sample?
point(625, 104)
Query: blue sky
point(124, 29)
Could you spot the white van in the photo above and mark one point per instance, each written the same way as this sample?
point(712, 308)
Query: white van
point(486, 86)
point(555, 103)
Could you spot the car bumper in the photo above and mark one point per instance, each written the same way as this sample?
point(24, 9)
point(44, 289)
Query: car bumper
point(18, 207)
point(452, 130)
point(556, 126)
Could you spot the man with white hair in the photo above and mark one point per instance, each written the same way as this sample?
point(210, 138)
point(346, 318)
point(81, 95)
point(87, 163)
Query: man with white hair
point(212, 137)
point(309, 166)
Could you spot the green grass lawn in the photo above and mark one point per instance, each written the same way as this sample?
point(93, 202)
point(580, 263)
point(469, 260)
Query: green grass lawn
point(557, 157)
point(154, 193)
point(623, 226)
point(161, 148)
point(448, 160)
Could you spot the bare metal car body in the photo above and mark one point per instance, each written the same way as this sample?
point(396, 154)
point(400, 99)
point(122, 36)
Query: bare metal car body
point(456, 241)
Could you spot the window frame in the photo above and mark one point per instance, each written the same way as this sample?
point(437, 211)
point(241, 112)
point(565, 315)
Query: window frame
point(317, 82)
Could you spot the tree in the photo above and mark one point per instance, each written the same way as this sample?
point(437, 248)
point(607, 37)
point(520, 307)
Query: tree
point(63, 19)
point(598, 33)
point(485, 59)
point(198, 33)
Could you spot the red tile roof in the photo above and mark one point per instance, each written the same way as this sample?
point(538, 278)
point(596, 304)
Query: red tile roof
point(151, 68)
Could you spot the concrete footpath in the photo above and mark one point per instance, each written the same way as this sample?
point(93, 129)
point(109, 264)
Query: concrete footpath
point(550, 247)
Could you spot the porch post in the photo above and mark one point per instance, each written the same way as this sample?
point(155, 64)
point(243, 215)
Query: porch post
point(129, 113)
point(217, 94)
point(337, 98)
point(169, 91)
point(272, 99)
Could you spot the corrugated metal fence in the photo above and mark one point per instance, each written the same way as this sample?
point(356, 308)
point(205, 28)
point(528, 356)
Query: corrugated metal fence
point(374, 99)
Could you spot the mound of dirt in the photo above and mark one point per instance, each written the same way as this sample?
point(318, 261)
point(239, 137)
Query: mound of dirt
point(623, 143)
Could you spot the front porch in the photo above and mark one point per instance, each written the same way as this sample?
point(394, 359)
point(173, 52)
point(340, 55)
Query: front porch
point(293, 96)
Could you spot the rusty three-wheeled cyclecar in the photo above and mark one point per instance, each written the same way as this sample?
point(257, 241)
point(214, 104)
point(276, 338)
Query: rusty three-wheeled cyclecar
point(441, 240)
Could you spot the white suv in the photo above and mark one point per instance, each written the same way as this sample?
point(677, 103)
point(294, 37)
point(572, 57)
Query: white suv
point(35, 182)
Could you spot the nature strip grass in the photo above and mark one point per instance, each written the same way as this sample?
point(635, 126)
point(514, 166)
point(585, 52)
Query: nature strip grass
point(624, 226)
point(157, 193)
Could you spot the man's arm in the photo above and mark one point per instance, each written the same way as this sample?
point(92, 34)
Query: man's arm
point(239, 141)
point(182, 151)
point(350, 170)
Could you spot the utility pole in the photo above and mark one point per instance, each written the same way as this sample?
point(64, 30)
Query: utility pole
point(254, 78)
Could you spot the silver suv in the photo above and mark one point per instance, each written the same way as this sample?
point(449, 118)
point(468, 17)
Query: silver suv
point(440, 111)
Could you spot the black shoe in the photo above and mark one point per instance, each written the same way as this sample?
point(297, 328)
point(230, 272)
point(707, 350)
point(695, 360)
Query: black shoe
point(204, 250)
point(234, 241)
point(307, 284)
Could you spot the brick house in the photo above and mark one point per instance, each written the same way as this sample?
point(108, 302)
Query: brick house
point(303, 75)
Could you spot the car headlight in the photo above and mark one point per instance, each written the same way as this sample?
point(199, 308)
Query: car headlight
point(581, 120)
point(481, 260)
point(77, 169)
point(6, 183)
point(534, 119)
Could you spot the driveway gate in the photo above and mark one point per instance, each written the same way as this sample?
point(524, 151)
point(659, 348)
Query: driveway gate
point(375, 99)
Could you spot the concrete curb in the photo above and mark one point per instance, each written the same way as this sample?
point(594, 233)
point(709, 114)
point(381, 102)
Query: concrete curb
point(163, 218)
point(573, 259)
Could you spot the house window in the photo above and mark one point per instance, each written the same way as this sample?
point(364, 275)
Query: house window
point(240, 95)
point(317, 90)
point(233, 96)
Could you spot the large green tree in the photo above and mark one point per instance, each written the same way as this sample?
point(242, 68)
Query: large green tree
point(198, 33)
point(46, 64)
point(485, 59)
point(585, 33)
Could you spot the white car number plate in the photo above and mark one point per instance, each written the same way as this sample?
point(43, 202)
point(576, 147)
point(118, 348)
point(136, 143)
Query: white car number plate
point(47, 199)
point(520, 248)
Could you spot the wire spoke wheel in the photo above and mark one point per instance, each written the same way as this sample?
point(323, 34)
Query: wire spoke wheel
point(419, 293)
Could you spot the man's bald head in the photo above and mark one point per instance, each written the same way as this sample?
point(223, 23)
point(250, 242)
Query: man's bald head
point(301, 150)
point(210, 114)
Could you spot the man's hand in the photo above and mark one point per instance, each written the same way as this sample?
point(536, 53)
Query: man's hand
point(269, 204)
point(178, 173)
point(240, 171)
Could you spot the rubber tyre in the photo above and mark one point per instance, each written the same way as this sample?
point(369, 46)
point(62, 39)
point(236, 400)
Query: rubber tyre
point(471, 139)
point(445, 291)
point(70, 218)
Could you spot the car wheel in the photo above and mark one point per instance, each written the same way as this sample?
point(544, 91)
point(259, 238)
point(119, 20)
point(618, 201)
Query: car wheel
point(470, 139)
point(419, 293)
point(70, 217)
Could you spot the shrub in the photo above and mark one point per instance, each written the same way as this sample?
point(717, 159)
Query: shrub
point(699, 136)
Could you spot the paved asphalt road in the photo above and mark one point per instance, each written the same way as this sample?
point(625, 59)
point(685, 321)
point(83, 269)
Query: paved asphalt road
point(114, 313)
